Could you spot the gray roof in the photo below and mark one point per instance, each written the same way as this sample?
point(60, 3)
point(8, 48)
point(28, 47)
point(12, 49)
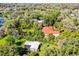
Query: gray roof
point(33, 45)
point(36, 20)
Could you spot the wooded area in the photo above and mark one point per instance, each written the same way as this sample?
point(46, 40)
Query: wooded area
point(55, 26)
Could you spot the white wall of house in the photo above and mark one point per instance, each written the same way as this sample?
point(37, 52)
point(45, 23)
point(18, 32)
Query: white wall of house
point(56, 35)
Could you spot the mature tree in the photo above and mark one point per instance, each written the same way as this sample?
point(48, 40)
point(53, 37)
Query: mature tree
point(8, 50)
point(51, 16)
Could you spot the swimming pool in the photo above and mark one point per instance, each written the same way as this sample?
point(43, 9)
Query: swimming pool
point(1, 20)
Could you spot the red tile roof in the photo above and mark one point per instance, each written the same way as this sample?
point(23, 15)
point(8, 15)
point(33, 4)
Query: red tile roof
point(49, 30)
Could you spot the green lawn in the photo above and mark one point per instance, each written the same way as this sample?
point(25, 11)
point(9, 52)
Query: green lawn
point(2, 42)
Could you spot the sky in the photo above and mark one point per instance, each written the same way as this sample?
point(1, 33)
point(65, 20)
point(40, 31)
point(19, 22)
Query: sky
point(39, 1)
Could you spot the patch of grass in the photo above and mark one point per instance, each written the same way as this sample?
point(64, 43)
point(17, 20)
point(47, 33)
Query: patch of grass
point(2, 42)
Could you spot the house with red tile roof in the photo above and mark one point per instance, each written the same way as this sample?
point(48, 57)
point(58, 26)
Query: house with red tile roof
point(49, 30)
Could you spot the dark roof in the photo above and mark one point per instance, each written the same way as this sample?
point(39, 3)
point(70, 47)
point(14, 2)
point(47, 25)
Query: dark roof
point(27, 46)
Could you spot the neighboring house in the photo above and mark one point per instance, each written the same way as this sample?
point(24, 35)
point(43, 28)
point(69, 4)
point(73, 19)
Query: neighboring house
point(56, 33)
point(32, 46)
point(70, 13)
point(38, 21)
point(49, 30)
point(73, 14)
